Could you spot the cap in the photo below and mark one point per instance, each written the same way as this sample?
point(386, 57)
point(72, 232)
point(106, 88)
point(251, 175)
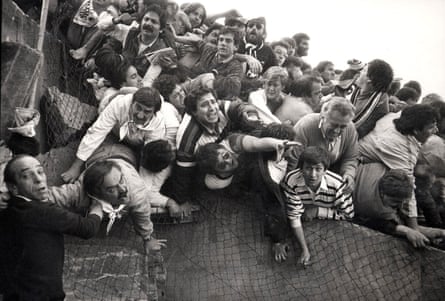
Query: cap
point(231, 20)
point(260, 20)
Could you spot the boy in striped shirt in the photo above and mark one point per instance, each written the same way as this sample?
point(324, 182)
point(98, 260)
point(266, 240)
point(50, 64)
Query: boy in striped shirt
point(311, 192)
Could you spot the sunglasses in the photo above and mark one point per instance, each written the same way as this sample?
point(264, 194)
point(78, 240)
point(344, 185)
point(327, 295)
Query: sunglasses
point(257, 25)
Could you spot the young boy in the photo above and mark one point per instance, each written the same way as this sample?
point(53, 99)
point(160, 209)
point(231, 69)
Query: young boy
point(314, 192)
point(395, 188)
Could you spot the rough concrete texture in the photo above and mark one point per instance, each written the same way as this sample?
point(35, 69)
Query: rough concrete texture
point(20, 69)
point(66, 117)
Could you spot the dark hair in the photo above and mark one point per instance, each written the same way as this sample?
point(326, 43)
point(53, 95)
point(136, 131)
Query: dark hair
point(118, 76)
point(278, 131)
point(432, 97)
point(381, 75)
point(95, 174)
point(191, 100)
point(314, 155)
point(290, 41)
point(396, 183)
point(19, 144)
point(207, 157)
point(194, 6)
point(227, 87)
point(214, 26)
point(439, 107)
point(157, 155)
point(236, 34)
point(166, 84)
point(414, 85)
point(148, 97)
point(155, 8)
point(407, 93)
point(415, 117)
point(113, 44)
point(280, 43)
point(394, 87)
point(322, 66)
point(9, 172)
point(302, 87)
point(106, 61)
point(293, 60)
point(298, 37)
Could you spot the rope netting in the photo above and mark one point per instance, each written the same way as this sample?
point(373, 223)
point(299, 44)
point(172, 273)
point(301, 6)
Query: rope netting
point(224, 255)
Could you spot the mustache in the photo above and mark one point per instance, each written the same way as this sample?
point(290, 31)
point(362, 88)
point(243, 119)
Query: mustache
point(147, 27)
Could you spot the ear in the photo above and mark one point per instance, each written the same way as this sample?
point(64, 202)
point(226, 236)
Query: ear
point(12, 188)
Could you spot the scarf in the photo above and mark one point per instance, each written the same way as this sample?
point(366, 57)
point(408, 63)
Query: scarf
point(110, 211)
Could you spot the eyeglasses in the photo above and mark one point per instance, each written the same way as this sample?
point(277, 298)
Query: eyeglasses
point(257, 25)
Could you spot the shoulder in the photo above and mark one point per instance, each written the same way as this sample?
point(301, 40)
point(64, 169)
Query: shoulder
point(293, 177)
point(333, 179)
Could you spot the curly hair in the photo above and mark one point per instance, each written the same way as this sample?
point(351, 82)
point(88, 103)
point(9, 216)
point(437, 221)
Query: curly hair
point(191, 100)
point(165, 84)
point(415, 117)
point(207, 157)
point(381, 75)
point(157, 155)
point(396, 183)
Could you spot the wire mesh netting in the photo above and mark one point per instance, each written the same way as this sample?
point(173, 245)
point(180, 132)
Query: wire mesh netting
point(223, 255)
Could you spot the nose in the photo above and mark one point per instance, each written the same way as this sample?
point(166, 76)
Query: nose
point(313, 173)
point(140, 115)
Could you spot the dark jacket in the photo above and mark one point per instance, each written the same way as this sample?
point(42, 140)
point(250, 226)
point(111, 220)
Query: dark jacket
point(32, 247)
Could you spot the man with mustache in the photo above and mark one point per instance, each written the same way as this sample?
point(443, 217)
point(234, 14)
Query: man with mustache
point(138, 43)
point(255, 45)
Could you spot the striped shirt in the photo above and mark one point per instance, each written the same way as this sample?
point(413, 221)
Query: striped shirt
point(332, 203)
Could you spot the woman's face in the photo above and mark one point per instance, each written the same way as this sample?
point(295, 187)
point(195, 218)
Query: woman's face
point(207, 110)
point(196, 17)
point(273, 89)
point(132, 79)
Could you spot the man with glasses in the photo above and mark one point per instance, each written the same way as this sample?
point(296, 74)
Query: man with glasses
point(254, 45)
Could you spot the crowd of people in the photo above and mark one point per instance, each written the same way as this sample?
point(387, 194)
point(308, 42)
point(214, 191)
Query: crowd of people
point(188, 104)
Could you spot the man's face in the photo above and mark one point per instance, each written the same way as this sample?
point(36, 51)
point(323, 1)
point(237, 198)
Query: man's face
point(363, 78)
point(312, 174)
point(132, 78)
point(303, 47)
point(150, 24)
point(114, 188)
point(141, 113)
point(255, 32)
point(273, 89)
point(212, 37)
point(30, 179)
point(226, 163)
point(423, 135)
point(329, 73)
point(207, 110)
point(333, 124)
point(316, 93)
point(226, 45)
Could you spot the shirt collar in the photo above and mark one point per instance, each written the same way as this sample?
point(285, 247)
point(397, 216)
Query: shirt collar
point(148, 45)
